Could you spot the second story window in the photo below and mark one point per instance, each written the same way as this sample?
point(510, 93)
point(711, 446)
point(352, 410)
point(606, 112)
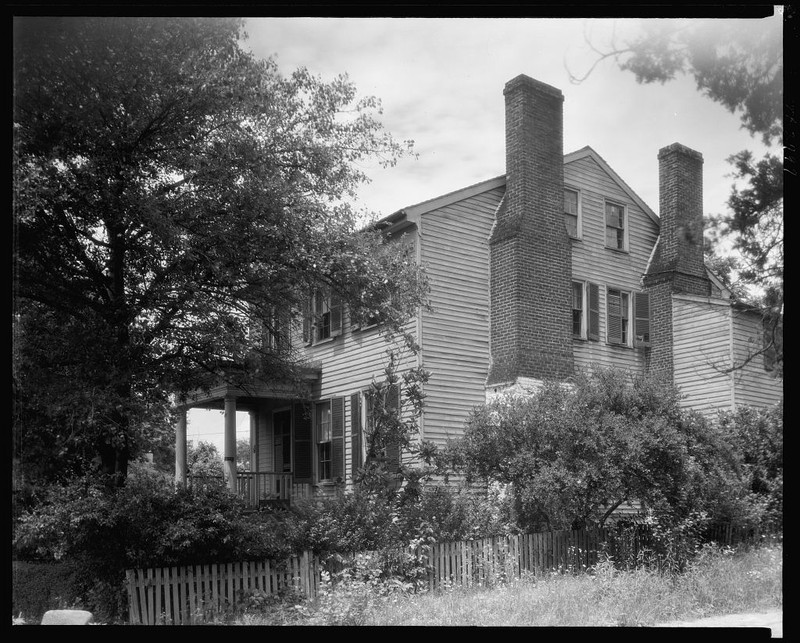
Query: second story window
point(615, 226)
point(572, 213)
point(323, 317)
point(618, 318)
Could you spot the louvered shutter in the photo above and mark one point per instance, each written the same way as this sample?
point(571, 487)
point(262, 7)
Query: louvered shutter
point(393, 446)
point(337, 438)
point(614, 316)
point(336, 314)
point(303, 451)
point(307, 321)
point(594, 312)
point(356, 458)
point(641, 308)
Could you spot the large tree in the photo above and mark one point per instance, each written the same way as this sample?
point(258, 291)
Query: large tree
point(737, 63)
point(175, 202)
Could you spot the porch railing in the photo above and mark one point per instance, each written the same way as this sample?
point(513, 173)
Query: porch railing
point(261, 488)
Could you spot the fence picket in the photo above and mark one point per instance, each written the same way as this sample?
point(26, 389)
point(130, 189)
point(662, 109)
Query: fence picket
point(190, 594)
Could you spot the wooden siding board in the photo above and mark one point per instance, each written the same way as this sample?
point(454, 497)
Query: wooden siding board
point(455, 340)
point(592, 261)
point(754, 386)
point(701, 352)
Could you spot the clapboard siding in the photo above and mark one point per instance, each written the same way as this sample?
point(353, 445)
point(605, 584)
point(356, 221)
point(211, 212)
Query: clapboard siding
point(592, 261)
point(455, 336)
point(754, 386)
point(701, 354)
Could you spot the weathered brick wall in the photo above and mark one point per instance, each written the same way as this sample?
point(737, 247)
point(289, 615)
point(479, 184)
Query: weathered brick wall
point(680, 245)
point(529, 248)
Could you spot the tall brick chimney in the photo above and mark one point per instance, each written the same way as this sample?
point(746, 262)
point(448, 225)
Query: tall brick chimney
point(677, 264)
point(530, 260)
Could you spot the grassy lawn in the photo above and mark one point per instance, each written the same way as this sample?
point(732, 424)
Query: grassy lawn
point(718, 582)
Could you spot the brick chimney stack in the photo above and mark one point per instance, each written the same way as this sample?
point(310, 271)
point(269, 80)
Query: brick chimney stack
point(677, 264)
point(530, 260)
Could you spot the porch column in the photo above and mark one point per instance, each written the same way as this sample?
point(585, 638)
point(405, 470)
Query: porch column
point(180, 448)
point(229, 465)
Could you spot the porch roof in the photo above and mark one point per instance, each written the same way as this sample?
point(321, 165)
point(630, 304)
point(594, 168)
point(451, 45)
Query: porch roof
point(250, 395)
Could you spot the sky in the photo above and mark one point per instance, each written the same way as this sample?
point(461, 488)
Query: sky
point(440, 82)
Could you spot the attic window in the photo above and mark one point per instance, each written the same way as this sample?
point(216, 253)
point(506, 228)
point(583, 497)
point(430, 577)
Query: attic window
point(615, 226)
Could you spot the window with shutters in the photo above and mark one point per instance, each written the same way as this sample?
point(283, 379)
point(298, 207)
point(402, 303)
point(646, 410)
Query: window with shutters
point(329, 439)
point(618, 317)
point(572, 212)
point(616, 236)
point(322, 317)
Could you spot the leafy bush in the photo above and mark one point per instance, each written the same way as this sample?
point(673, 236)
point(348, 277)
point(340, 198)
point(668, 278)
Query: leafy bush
point(146, 523)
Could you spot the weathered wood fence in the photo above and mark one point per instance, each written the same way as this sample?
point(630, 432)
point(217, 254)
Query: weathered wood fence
point(196, 593)
point(191, 594)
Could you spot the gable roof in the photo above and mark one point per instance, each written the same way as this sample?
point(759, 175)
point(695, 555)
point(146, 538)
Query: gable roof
point(412, 213)
point(588, 152)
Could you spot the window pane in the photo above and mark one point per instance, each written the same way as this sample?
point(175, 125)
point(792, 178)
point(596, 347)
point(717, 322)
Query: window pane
point(571, 202)
point(571, 223)
point(577, 296)
point(324, 422)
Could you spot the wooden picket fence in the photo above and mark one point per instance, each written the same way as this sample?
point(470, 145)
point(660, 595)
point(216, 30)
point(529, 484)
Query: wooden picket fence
point(198, 593)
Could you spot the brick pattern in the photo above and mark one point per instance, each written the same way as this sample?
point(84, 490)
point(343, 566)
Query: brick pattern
point(680, 247)
point(530, 259)
point(677, 264)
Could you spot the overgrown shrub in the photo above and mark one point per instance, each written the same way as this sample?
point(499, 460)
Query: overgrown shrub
point(146, 523)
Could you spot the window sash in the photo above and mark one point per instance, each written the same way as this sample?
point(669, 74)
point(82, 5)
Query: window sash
point(618, 316)
point(641, 307)
point(615, 226)
point(571, 212)
point(324, 422)
point(577, 309)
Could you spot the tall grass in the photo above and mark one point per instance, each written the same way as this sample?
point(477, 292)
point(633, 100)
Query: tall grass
point(718, 581)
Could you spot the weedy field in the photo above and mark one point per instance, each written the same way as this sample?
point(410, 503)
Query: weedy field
point(718, 581)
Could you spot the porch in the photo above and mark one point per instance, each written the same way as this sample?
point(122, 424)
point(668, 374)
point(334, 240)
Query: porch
point(280, 440)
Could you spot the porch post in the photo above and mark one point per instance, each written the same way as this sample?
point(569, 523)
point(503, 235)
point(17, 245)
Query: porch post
point(180, 448)
point(229, 466)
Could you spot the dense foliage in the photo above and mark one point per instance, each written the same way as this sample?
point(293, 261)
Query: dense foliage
point(572, 454)
point(176, 200)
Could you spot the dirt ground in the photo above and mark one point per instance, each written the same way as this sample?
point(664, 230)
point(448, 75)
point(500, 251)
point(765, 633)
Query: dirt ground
point(772, 619)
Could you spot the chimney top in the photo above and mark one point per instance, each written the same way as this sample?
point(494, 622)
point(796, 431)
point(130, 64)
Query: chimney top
point(532, 83)
point(679, 149)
